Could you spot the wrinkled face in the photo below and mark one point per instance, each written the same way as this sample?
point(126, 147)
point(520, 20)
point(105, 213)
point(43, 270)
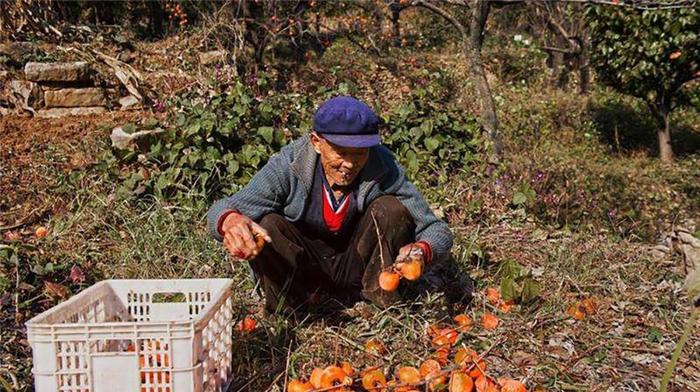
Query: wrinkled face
point(341, 164)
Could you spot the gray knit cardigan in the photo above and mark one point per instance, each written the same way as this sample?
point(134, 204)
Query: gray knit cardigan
point(283, 184)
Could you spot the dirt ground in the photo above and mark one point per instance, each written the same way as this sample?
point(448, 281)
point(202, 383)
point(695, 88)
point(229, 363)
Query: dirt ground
point(33, 149)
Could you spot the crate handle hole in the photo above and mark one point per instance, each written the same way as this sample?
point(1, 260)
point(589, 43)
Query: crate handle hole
point(169, 298)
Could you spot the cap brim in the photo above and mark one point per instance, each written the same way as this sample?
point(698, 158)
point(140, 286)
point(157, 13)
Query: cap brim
point(358, 141)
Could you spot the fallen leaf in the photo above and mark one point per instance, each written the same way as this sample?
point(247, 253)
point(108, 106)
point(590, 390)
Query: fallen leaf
point(77, 275)
point(375, 346)
point(55, 290)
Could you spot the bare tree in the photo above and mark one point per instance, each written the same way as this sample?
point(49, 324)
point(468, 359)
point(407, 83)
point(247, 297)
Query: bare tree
point(472, 41)
point(563, 30)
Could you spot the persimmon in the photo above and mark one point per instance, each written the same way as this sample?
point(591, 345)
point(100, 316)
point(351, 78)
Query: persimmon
point(489, 321)
point(590, 306)
point(450, 334)
point(460, 382)
point(163, 360)
point(577, 311)
point(441, 355)
point(510, 385)
point(432, 330)
point(429, 367)
point(478, 369)
point(463, 357)
point(248, 324)
point(505, 306)
point(347, 368)
point(464, 321)
point(430, 370)
point(441, 341)
point(259, 242)
point(375, 346)
point(335, 379)
point(389, 280)
point(408, 375)
point(483, 384)
point(493, 295)
point(299, 386)
point(374, 380)
point(315, 378)
point(410, 270)
point(41, 232)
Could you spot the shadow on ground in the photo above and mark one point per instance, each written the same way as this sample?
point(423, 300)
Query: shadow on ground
point(628, 129)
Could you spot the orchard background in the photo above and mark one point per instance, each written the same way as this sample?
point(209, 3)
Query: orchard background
point(560, 141)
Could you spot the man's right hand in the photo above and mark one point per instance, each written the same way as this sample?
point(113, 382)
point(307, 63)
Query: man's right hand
point(240, 234)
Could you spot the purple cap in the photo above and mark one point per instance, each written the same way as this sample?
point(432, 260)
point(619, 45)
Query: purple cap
point(347, 122)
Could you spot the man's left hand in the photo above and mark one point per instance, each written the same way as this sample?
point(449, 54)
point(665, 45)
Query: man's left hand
point(410, 253)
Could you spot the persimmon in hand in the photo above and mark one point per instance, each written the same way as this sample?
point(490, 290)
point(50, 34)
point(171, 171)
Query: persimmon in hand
point(389, 280)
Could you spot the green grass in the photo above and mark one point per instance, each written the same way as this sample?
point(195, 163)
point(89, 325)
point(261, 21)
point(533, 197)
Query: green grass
point(575, 254)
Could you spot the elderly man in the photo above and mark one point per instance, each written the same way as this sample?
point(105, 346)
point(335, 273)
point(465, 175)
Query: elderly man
point(335, 209)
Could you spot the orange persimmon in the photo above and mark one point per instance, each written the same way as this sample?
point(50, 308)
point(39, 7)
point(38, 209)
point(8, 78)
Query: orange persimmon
point(408, 375)
point(374, 380)
point(334, 376)
point(375, 346)
point(489, 321)
point(464, 321)
point(410, 270)
point(389, 281)
point(315, 378)
point(460, 382)
point(493, 295)
point(299, 386)
point(510, 385)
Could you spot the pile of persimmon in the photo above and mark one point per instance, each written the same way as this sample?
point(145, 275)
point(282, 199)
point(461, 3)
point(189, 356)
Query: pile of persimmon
point(411, 269)
point(452, 368)
point(150, 357)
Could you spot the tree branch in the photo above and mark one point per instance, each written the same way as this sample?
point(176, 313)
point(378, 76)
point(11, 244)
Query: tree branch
point(446, 15)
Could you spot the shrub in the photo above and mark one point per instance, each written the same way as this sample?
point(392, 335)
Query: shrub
point(213, 143)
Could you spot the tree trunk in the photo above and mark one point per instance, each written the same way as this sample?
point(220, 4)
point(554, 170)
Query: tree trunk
point(662, 114)
point(557, 59)
point(473, 50)
point(156, 16)
point(664, 136)
point(583, 66)
point(396, 29)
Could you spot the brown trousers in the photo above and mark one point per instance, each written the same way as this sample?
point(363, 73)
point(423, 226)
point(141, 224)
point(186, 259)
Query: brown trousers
point(295, 270)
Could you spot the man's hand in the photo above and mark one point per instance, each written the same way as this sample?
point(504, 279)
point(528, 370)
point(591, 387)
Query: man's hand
point(241, 234)
point(410, 261)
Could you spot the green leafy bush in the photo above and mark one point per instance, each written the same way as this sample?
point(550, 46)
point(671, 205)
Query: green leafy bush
point(431, 136)
point(212, 145)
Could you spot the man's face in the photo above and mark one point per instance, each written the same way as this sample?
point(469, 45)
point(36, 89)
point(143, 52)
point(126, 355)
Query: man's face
point(341, 164)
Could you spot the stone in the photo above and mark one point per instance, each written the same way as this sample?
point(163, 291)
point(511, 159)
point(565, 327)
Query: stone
point(62, 112)
point(689, 239)
point(211, 57)
point(25, 95)
point(128, 101)
point(57, 72)
point(660, 252)
point(130, 141)
point(74, 97)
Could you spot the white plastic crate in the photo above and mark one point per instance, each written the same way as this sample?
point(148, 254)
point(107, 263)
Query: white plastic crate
point(136, 335)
